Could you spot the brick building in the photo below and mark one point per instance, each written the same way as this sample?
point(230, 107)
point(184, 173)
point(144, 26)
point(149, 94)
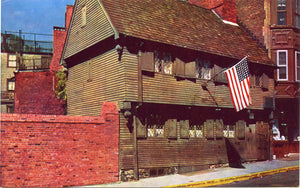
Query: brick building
point(276, 25)
point(15, 48)
point(34, 90)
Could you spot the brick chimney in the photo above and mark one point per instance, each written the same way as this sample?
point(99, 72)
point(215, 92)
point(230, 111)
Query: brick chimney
point(226, 9)
point(68, 16)
point(59, 37)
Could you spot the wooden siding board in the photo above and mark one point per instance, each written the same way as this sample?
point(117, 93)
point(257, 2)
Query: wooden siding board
point(165, 153)
point(107, 84)
point(126, 145)
point(96, 29)
point(130, 62)
point(167, 89)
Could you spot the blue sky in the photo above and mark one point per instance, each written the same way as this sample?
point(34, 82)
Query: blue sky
point(33, 16)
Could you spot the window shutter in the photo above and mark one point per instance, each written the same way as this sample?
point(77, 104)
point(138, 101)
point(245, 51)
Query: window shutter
point(147, 61)
point(265, 81)
point(190, 69)
point(179, 68)
point(209, 126)
point(218, 75)
point(172, 128)
point(240, 129)
point(219, 128)
point(184, 129)
point(141, 129)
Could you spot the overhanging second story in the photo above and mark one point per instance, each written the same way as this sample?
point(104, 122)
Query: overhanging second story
point(165, 51)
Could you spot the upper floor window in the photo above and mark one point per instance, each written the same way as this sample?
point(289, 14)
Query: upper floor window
point(281, 12)
point(297, 60)
point(83, 16)
point(163, 62)
point(282, 63)
point(297, 13)
point(203, 69)
point(12, 60)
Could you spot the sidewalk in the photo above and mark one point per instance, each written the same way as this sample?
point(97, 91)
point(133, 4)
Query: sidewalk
point(215, 176)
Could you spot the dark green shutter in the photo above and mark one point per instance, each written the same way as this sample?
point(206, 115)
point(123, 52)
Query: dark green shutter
point(219, 128)
point(141, 129)
point(172, 128)
point(240, 129)
point(209, 127)
point(184, 129)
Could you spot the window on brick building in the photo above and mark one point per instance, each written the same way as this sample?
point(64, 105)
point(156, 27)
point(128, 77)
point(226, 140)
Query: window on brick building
point(281, 12)
point(12, 60)
point(297, 60)
point(297, 13)
point(10, 85)
point(282, 63)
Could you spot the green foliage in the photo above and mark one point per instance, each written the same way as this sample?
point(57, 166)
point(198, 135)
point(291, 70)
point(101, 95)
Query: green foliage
point(60, 90)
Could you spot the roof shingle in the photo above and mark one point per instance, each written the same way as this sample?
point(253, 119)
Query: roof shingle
point(181, 24)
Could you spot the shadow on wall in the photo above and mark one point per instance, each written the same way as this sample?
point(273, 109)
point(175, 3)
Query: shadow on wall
point(234, 158)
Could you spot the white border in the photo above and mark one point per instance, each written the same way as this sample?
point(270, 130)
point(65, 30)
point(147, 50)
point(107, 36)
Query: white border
point(286, 66)
point(296, 67)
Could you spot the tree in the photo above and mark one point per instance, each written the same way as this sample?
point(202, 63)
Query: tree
point(60, 90)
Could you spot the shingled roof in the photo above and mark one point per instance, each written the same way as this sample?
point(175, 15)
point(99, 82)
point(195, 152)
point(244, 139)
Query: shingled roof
point(181, 24)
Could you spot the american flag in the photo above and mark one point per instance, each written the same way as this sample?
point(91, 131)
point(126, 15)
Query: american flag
point(239, 84)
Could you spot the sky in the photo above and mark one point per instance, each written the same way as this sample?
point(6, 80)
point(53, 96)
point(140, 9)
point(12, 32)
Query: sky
point(33, 16)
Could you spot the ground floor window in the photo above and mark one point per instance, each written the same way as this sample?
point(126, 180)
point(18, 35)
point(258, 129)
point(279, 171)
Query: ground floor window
point(155, 125)
point(196, 130)
point(228, 131)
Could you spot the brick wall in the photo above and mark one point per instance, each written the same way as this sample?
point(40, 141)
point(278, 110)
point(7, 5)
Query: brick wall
point(56, 151)
point(34, 94)
point(226, 9)
point(252, 15)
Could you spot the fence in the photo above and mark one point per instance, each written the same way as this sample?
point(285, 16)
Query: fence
point(26, 42)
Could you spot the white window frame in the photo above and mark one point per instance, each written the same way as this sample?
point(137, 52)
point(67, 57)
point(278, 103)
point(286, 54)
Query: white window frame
point(12, 60)
point(10, 85)
point(296, 66)
point(286, 65)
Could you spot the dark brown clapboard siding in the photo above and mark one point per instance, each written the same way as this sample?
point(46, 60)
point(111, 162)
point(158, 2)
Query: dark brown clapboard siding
point(167, 89)
point(130, 62)
point(182, 152)
point(97, 27)
point(126, 145)
point(106, 83)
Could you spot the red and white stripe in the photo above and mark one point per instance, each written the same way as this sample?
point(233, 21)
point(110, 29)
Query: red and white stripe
point(240, 91)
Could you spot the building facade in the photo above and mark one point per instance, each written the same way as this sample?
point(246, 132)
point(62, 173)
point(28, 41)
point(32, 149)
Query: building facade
point(18, 53)
point(275, 24)
point(162, 63)
point(36, 83)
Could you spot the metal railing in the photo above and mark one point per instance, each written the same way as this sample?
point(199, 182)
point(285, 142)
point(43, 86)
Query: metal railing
point(26, 42)
point(39, 63)
point(10, 95)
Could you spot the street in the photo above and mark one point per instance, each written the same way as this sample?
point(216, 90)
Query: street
point(284, 179)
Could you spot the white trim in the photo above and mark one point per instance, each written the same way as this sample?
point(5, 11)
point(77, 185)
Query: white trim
point(225, 21)
point(296, 67)
point(286, 66)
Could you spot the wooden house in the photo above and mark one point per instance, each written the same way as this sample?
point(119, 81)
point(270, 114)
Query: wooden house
point(160, 61)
